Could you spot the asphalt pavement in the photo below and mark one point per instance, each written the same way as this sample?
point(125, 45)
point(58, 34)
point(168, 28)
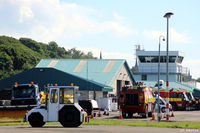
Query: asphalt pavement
point(92, 129)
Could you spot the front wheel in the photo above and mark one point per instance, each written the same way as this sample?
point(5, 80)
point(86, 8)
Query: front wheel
point(36, 120)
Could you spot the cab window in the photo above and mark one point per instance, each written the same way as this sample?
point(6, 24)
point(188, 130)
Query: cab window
point(54, 96)
point(66, 96)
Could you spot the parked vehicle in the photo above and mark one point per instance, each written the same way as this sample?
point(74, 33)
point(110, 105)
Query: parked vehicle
point(108, 103)
point(136, 99)
point(25, 94)
point(90, 106)
point(62, 107)
point(192, 101)
point(177, 98)
point(162, 104)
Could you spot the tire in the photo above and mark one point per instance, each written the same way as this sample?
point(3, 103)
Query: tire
point(145, 114)
point(36, 120)
point(163, 110)
point(124, 114)
point(130, 115)
point(69, 116)
point(149, 114)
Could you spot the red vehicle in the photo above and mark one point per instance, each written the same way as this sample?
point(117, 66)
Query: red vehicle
point(177, 98)
point(136, 99)
point(192, 101)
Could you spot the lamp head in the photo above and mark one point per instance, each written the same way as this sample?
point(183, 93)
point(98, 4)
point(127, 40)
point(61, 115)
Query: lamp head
point(168, 14)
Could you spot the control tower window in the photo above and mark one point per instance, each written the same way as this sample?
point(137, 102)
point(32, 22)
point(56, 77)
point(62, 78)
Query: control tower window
point(172, 58)
point(154, 59)
point(179, 59)
point(144, 77)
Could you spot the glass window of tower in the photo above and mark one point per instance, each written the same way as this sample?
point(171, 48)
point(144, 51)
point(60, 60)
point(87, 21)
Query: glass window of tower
point(179, 59)
point(154, 59)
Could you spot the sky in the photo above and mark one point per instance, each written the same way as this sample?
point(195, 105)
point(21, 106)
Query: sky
point(111, 26)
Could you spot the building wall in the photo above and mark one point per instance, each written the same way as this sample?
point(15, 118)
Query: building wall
point(154, 77)
point(121, 76)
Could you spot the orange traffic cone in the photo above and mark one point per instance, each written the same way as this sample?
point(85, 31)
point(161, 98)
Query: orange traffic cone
point(120, 114)
point(99, 113)
point(153, 115)
point(172, 114)
point(92, 114)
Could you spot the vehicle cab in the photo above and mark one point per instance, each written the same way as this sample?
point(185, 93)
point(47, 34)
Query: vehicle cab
point(25, 94)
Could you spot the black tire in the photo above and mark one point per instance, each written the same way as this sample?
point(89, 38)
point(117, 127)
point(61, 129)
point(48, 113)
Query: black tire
point(163, 110)
point(130, 115)
point(149, 114)
point(124, 114)
point(145, 114)
point(69, 116)
point(36, 120)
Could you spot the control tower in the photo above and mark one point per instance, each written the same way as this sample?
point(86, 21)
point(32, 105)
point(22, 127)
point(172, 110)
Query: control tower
point(146, 66)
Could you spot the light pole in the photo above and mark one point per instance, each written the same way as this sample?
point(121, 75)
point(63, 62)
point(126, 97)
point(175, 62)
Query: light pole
point(163, 38)
point(167, 15)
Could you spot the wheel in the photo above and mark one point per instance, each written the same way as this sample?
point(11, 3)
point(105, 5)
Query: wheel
point(130, 115)
point(69, 116)
point(145, 114)
point(149, 114)
point(163, 110)
point(124, 114)
point(36, 120)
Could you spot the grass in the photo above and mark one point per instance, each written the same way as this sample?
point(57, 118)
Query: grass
point(183, 124)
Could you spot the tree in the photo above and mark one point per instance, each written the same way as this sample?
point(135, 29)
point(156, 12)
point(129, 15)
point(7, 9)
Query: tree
point(198, 80)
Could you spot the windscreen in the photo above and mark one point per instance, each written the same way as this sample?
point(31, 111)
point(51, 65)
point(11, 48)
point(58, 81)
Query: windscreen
point(24, 92)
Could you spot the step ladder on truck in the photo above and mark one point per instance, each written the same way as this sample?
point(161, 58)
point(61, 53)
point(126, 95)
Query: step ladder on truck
point(62, 107)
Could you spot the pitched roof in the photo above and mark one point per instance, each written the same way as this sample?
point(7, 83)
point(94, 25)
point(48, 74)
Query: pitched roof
point(102, 71)
point(44, 76)
point(177, 85)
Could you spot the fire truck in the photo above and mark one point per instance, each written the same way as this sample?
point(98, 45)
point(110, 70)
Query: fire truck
point(177, 98)
point(136, 99)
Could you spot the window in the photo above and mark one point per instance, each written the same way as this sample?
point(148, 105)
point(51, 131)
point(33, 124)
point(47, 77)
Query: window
point(66, 96)
point(23, 92)
point(172, 95)
point(179, 59)
point(54, 96)
point(154, 59)
point(172, 59)
point(144, 77)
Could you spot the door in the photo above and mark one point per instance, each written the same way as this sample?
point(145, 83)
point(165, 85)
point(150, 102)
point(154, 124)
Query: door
point(53, 105)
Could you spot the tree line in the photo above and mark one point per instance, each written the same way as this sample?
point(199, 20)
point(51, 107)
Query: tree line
point(17, 55)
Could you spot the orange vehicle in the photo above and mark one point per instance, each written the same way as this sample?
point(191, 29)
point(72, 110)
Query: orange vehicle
point(136, 99)
point(177, 98)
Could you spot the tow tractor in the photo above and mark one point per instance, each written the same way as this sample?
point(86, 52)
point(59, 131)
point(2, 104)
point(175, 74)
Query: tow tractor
point(62, 107)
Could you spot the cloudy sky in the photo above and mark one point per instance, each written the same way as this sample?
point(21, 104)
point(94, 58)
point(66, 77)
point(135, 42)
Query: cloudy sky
point(111, 26)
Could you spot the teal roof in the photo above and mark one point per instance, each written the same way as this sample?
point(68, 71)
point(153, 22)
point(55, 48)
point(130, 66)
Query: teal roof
point(100, 70)
point(177, 85)
point(44, 76)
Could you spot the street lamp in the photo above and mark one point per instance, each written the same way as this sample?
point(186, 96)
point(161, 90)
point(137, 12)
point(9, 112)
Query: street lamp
point(167, 15)
point(163, 38)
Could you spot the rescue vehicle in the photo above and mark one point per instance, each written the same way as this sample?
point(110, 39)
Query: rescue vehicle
point(136, 99)
point(177, 98)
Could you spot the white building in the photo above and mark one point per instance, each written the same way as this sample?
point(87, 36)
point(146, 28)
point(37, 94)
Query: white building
point(146, 67)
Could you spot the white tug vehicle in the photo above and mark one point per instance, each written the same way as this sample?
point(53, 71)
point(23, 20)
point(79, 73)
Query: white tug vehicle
point(62, 107)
